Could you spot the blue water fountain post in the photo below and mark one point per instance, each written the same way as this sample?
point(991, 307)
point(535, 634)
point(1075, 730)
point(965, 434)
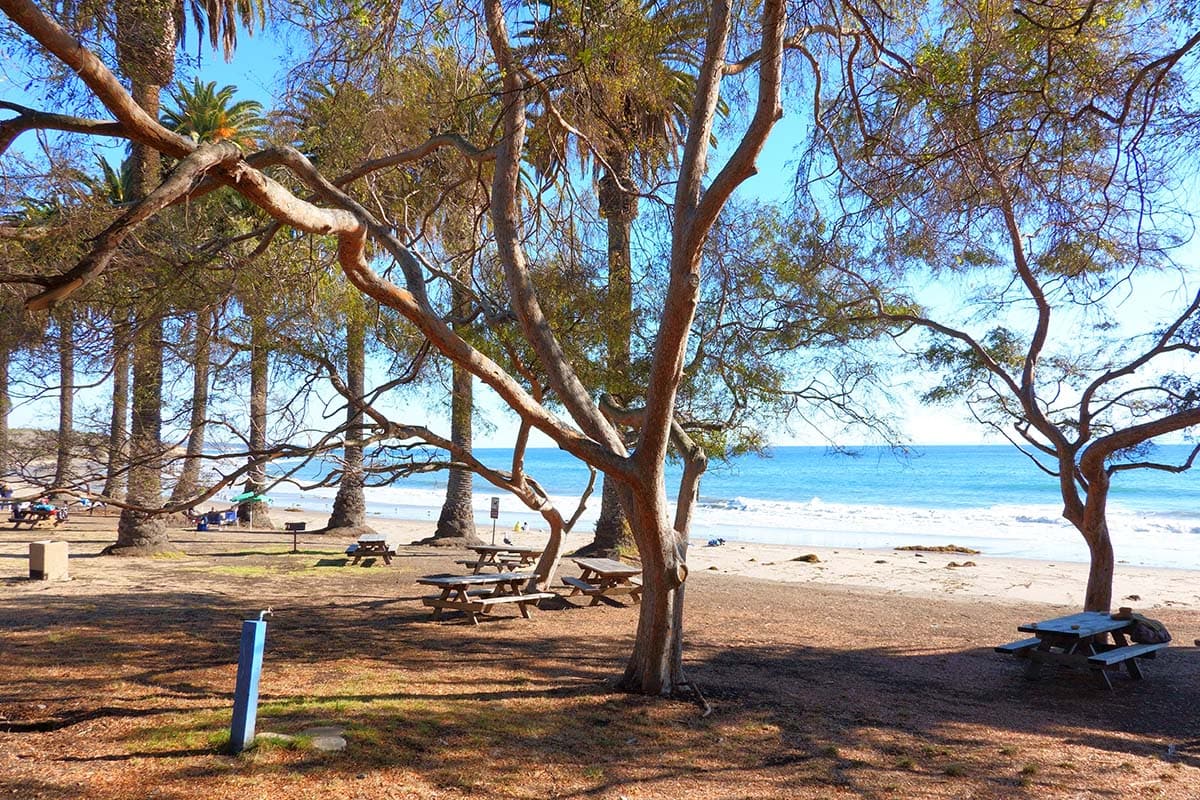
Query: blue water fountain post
point(245, 695)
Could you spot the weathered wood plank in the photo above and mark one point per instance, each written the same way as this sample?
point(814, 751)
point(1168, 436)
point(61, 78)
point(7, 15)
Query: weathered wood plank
point(1019, 646)
point(1120, 654)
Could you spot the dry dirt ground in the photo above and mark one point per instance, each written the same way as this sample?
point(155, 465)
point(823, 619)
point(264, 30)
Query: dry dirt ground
point(118, 684)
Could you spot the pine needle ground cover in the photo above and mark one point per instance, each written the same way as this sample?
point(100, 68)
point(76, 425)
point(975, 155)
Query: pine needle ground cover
point(118, 684)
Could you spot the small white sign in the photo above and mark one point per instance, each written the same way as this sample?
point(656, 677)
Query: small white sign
point(495, 508)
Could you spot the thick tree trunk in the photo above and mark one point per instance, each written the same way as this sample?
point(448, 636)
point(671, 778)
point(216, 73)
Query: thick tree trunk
point(1100, 569)
point(189, 476)
point(257, 514)
point(1094, 526)
point(349, 516)
point(138, 532)
point(619, 207)
point(63, 475)
point(656, 664)
point(118, 433)
point(145, 39)
point(613, 536)
point(456, 524)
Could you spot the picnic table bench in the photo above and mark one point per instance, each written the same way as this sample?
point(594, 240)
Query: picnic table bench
point(476, 594)
point(33, 517)
point(371, 544)
point(504, 557)
point(603, 578)
point(1080, 641)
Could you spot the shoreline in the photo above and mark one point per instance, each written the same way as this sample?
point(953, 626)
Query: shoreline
point(888, 572)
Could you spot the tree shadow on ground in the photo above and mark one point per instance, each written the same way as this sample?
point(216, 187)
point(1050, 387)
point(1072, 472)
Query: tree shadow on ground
point(534, 700)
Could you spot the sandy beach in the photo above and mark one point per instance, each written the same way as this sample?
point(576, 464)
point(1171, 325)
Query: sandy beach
point(918, 573)
point(915, 573)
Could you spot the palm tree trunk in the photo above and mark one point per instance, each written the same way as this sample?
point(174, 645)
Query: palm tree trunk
point(118, 432)
point(5, 404)
point(189, 476)
point(618, 206)
point(456, 523)
point(145, 40)
point(139, 532)
point(349, 516)
point(66, 401)
point(256, 513)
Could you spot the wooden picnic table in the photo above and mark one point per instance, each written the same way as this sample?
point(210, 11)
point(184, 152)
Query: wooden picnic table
point(501, 556)
point(371, 544)
point(34, 517)
point(1080, 641)
point(476, 594)
point(602, 578)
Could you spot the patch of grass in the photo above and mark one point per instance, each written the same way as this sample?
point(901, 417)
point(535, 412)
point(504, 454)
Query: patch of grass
point(1008, 751)
point(1029, 769)
point(313, 706)
point(169, 555)
point(593, 773)
point(906, 763)
point(954, 770)
point(264, 744)
point(1067, 765)
point(242, 572)
point(203, 731)
point(829, 751)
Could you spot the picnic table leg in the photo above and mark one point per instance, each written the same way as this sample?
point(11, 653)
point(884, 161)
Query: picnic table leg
point(437, 610)
point(1034, 668)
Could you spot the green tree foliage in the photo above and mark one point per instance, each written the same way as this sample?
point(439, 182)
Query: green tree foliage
point(208, 114)
point(1036, 152)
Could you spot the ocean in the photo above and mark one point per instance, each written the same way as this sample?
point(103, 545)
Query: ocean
point(989, 497)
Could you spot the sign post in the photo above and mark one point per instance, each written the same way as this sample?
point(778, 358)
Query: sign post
point(495, 516)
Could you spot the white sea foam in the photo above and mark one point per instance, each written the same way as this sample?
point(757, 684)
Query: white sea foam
point(1021, 531)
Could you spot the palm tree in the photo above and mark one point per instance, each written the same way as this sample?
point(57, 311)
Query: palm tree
point(65, 318)
point(146, 33)
point(210, 115)
point(349, 515)
point(620, 73)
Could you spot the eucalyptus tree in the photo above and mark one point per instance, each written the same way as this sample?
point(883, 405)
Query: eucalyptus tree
point(146, 33)
point(385, 98)
point(1036, 151)
point(562, 407)
point(208, 114)
point(618, 85)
